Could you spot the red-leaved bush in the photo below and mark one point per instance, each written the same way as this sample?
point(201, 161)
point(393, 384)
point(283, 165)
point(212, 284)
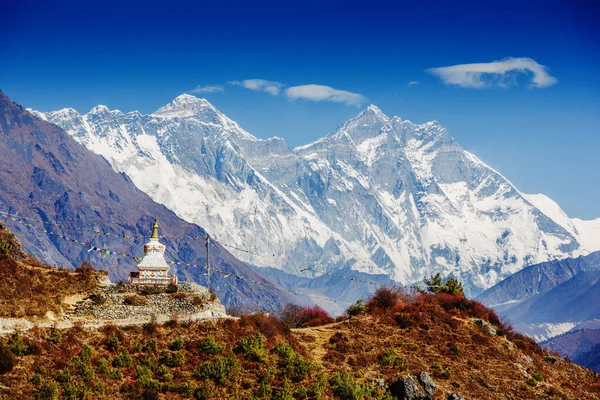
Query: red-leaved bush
point(314, 316)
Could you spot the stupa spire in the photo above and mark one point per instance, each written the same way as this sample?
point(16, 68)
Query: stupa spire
point(154, 230)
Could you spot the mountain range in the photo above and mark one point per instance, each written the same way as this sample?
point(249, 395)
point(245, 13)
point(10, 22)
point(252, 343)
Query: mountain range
point(378, 195)
point(56, 183)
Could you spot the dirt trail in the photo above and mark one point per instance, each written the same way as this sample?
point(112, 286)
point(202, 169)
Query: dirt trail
point(321, 335)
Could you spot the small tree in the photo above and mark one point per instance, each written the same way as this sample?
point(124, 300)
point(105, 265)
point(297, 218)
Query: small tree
point(437, 285)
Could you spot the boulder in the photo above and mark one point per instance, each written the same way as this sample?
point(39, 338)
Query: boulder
point(427, 383)
point(485, 327)
point(454, 396)
point(406, 388)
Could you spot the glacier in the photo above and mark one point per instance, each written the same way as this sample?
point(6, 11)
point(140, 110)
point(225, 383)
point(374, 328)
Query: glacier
point(378, 195)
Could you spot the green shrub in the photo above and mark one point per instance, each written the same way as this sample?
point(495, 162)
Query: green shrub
point(48, 391)
point(205, 392)
point(17, 345)
point(55, 336)
point(220, 370)
point(87, 353)
point(122, 359)
point(185, 389)
point(253, 348)
point(292, 364)
point(76, 391)
point(151, 345)
point(36, 379)
point(113, 342)
point(116, 374)
point(537, 376)
point(7, 359)
point(136, 347)
point(150, 361)
point(344, 386)
point(172, 359)
point(63, 376)
point(162, 370)
point(389, 358)
point(103, 365)
point(177, 344)
point(210, 346)
point(531, 382)
point(357, 308)
point(85, 371)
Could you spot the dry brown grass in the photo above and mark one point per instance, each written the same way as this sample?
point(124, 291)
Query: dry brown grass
point(29, 288)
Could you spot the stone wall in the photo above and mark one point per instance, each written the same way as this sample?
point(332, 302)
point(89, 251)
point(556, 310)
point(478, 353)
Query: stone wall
point(190, 301)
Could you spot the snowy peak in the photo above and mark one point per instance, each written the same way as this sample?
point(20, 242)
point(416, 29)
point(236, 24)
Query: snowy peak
point(186, 105)
point(370, 123)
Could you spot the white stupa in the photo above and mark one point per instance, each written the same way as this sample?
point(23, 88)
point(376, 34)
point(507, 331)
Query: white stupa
point(153, 269)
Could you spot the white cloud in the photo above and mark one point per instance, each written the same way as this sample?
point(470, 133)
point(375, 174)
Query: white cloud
point(207, 89)
point(413, 83)
point(500, 73)
point(260, 85)
point(324, 93)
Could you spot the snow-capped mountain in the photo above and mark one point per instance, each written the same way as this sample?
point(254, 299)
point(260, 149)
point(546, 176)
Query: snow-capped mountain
point(378, 195)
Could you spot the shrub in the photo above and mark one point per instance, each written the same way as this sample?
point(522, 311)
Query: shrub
point(135, 300)
point(17, 345)
point(48, 391)
point(206, 391)
point(384, 298)
point(344, 386)
point(36, 379)
point(268, 325)
point(55, 336)
point(85, 371)
point(151, 344)
point(185, 389)
point(537, 376)
point(210, 346)
point(359, 307)
point(404, 320)
point(177, 344)
point(151, 326)
point(314, 316)
point(389, 358)
point(86, 269)
point(293, 365)
point(172, 359)
point(122, 359)
point(150, 361)
point(113, 342)
point(220, 370)
point(116, 374)
point(7, 359)
point(63, 376)
point(289, 316)
point(180, 296)
point(103, 365)
point(252, 347)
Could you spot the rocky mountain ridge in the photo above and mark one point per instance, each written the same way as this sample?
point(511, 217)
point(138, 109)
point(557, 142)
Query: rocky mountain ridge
point(378, 195)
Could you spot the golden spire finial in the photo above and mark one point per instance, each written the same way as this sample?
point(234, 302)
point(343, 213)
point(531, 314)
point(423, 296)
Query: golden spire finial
point(155, 230)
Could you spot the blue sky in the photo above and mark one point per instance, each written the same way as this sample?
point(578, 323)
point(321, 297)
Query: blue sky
point(538, 124)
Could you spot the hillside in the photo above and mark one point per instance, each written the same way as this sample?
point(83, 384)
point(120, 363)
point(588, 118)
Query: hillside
point(29, 288)
point(63, 188)
point(461, 345)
